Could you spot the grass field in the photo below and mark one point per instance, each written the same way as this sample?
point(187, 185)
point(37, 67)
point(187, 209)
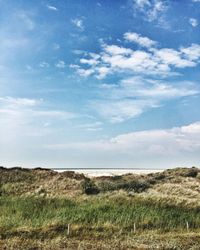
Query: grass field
point(117, 212)
point(125, 214)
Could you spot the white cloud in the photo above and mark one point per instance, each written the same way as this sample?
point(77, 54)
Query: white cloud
point(20, 116)
point(185, 138)
point(43, 64)
point(85, 72)
point(23, 129)
point(173, 57)
point(51, 7)
point(134, 96)
point(156, 61)
point(178, 144)
point(142, 3)
point(82, 72)
point(78, 22)
point(151, 10)
point(18, 102)
point(60, 64)
point(192, 53)
point(102, 72)
point(158, 7)
point(74, 66)
point(116, 50)
point(194, 22)
point(137, 38)
point(156, 89)
point(117, 111)
point(89, 61)
point(29, 107)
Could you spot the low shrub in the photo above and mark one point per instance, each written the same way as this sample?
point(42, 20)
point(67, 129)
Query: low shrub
point(134, 185)
point(192, 172)
point(89, 187)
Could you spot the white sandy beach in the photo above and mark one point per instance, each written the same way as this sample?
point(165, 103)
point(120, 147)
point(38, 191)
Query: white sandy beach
point(110, 172)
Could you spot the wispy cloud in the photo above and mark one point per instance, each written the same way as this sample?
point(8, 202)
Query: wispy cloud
point(27, 20)
point(158, 142)
point(78, 23)
point(43, 64)
point(151, 10)
point(60, 64)
point(24, 121)
point(51, 7)
point(94, 126)
point(142, 3)
point(116, 111)
point(194, 22)
point(78, 52)
point(134, 96)
point(29, 108)
point(10, 43)
point(82, 72)
point(12, 102)
point(157, 89)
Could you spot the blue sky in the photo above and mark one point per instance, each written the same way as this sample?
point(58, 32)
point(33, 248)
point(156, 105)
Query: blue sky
point(100, 83)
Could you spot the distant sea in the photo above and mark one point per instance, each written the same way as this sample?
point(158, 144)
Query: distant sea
point(109, 172)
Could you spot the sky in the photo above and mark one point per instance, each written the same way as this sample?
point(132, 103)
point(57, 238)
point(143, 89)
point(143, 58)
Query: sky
point(100, 83)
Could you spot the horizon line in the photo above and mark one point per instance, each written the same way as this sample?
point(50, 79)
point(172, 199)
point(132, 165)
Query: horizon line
point(106, 168)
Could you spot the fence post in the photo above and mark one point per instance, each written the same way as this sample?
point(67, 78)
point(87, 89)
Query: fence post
point(187, 225)
point(134, 228)
point(68, 229)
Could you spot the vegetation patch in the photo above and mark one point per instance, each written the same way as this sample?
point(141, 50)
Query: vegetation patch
point(43, 209)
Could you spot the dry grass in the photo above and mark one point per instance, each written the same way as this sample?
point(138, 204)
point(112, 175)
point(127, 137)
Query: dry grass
point(37, 205)
point(151, 241)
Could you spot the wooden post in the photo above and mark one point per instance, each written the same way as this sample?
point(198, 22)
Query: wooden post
point(134, 228)
point(68, 229)
point(187, 225)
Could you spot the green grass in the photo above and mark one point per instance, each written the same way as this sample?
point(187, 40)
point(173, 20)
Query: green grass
point(31, 213)
point(102, 212)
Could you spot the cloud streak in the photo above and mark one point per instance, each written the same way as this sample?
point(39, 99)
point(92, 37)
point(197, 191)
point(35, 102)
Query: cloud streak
point(144, 148)
point(23, 110)
point(162, 141)
point(136, 95)
point(51, 7)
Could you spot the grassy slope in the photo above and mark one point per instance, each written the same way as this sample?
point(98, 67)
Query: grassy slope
point(36, 207)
